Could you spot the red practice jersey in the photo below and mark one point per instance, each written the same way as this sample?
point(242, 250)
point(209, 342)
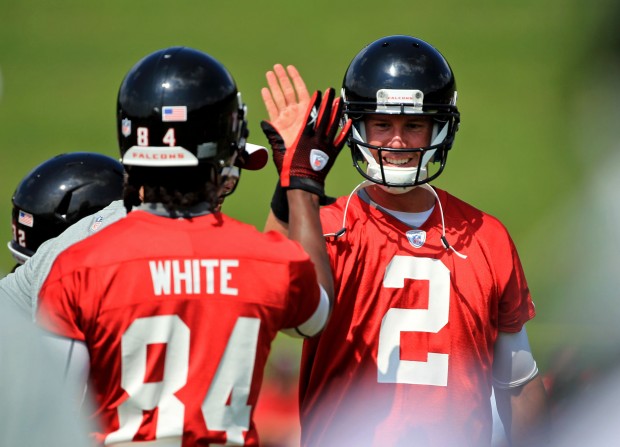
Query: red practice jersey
point(406, 357)
point(178, 316)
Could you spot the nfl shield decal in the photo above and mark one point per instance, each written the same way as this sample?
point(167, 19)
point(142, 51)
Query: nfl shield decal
point(126, 127)
point(96, 224)
point(416, 237)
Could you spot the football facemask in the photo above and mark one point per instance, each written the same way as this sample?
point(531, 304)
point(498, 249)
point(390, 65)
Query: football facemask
point(369, 160)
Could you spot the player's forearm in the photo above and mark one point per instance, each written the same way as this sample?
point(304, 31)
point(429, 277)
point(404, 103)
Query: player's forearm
point(275, 224)
point(305, 227)
point(529, 414)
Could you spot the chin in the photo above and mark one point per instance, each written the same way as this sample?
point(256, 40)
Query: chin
point(397, 190)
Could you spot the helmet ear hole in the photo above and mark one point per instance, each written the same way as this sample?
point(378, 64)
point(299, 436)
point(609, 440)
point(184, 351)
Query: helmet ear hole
point(438, 157)
point(359, 161)
point(357, 156)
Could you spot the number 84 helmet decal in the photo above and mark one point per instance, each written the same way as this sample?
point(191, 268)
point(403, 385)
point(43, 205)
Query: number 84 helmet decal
point(180, 107)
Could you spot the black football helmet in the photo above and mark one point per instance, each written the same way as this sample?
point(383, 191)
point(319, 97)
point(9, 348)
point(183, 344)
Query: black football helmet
point(58, 193)
point(400, 75)
point(180, 107)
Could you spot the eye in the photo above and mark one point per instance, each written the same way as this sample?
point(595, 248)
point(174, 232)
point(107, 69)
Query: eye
point(417, 125)
point(380, 124)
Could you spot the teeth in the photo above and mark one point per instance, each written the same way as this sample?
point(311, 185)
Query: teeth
point(397, 161)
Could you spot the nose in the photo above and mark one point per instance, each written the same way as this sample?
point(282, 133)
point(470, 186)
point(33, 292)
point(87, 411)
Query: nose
point(396, 142)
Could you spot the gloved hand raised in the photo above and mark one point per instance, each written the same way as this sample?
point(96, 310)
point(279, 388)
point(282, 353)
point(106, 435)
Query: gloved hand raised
point(306, 163)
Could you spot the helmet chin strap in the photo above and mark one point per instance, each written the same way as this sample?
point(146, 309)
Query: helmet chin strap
point(426, 186)
point(444, 241)
point(343, 230)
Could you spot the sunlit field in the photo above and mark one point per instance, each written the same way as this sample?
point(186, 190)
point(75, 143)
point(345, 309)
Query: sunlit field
point(534, 81)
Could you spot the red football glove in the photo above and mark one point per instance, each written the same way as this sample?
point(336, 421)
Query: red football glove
point(309, 159)
point(276, 142)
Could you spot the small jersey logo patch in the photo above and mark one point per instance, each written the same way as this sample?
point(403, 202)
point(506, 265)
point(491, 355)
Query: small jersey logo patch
point(96, 224)
point(318, 159)
point(416, 237)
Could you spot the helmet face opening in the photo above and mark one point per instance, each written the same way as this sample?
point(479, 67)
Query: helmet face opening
point(229, 179)
point(369, 161)
point(400, 75)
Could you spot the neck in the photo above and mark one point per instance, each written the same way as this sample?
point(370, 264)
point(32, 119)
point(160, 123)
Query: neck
point(415, 201)
point(159, 209)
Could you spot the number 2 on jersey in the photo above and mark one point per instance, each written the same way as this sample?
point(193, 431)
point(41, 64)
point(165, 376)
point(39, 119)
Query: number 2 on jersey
point(233, 378)
point(391, 369)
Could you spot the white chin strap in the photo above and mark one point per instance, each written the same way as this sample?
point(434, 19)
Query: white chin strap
point(394, 174)
point(367, 183)
point(444, 241)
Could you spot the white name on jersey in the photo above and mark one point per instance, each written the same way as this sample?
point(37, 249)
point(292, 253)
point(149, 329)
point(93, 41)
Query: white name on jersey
point(193, 276)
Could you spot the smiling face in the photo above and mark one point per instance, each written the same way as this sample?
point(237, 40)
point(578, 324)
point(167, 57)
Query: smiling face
point(398, 132)
point(404, 135)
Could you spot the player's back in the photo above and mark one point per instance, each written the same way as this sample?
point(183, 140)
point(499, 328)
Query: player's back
point(178, 316)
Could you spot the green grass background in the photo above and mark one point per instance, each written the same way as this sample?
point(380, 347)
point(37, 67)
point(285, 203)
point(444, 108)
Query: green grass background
point(521, 68)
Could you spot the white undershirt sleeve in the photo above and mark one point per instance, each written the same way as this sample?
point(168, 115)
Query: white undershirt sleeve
point(315, 323)
point(514, 364)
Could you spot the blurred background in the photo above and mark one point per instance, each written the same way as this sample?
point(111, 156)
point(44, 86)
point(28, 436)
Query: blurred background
point(537, 84)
